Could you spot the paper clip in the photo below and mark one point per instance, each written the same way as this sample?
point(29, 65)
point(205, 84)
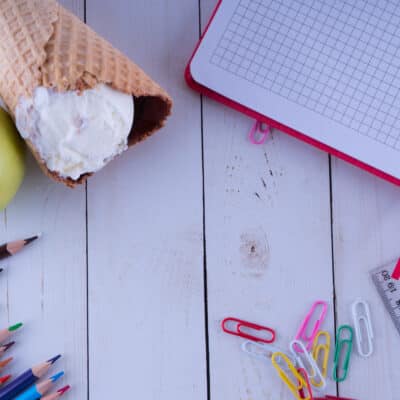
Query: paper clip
point(340, 343)
point(260, 129)
point(263, 351)
point(302, 332)
point(363, 317)
point(297, 383)
point(303, 358)
point(303, 373)
point(327, 397)
point(317, 350)
point(240, 326)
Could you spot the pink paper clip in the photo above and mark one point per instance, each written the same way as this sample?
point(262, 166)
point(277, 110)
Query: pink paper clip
point(240, 326)
point(260, 130)
point(302, 332)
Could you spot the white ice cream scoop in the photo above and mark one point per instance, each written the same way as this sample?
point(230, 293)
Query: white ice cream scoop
point(76, 132)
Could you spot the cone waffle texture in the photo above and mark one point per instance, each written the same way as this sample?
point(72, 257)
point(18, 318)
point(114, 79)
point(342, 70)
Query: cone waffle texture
point(43, 44)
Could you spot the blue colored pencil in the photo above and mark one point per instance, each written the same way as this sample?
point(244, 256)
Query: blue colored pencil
point(28, 378)
point(35, 392)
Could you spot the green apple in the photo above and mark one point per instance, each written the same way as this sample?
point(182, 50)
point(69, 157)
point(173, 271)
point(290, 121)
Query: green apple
point(12, 159)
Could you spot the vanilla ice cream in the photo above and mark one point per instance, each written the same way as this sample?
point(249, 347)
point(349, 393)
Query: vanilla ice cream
point(76, 132)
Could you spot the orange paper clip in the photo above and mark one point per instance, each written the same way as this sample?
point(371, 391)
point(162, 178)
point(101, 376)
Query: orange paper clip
point(244, 329)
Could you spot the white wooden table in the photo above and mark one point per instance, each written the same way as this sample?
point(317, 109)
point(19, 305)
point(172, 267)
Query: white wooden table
point(136, 270)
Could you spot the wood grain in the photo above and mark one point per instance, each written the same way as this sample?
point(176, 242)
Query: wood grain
point(146, 313)
point(45, 284)
point(154, 318)
point(366, 216)
point(268, 243)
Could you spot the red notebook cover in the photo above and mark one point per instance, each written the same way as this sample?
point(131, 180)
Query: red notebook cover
point(275, 124)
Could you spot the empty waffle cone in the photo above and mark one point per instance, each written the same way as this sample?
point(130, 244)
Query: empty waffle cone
point(43, 44)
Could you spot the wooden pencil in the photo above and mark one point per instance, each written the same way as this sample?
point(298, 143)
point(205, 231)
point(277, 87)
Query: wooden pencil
point(5, 362)
point(58, 394)
point(11, 248)
point(6, 333)
point(5, 347)
point(4, 379)
point(28, 378)
point(40, 389)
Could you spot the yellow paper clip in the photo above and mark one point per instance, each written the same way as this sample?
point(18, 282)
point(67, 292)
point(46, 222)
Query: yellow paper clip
point(321, 360)
point(296, 385)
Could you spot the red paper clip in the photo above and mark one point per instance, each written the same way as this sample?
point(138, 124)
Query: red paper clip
point(240, 326)
point(332, 398)
point(309, 394)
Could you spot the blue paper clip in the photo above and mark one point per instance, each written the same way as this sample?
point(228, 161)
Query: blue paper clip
point(340, 345)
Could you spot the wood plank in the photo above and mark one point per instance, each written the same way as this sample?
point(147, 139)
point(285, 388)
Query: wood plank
point(146, 310)
point(268, 243)
point(45, 286)
point(366, 215)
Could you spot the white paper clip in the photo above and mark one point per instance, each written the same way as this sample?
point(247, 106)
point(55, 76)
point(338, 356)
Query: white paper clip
point(361, 315)
point(302, 358)
point(263, 351)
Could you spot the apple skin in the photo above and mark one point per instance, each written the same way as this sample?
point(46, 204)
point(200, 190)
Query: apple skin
point(12, 159)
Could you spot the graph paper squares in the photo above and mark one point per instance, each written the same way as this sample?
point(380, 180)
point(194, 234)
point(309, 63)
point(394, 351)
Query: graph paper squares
point(340, 59)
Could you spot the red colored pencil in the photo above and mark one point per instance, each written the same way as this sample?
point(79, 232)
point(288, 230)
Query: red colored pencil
point(58, 394)
point(4, 379)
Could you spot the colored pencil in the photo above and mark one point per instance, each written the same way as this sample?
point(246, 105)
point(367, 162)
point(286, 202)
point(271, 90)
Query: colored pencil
point(40, 389)
point(5, 362)
point(6, 333)
point(26, 379)
point(58, 394)
point(5, 347)
point(4, 379)
point(11, 248)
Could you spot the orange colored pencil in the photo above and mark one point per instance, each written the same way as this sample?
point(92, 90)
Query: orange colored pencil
point(5, 362)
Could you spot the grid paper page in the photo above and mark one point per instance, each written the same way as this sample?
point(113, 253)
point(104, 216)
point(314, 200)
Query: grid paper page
point(290, 47)
point(337, 59)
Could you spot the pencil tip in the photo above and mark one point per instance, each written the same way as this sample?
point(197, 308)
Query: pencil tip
point(54, 359)
point(32, 239)
point(8, 345)
point(6, 361)
point(4, 379)
point(57, 376)
point(64, 389)
point(13, 328)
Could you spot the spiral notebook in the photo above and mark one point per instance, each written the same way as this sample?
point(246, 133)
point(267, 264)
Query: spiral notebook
point(325, 71)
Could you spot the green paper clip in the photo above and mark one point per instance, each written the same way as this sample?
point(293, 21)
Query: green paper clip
point(340, 345)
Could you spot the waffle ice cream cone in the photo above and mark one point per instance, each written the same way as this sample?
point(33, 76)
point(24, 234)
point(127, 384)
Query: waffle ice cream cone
point(44, 45)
